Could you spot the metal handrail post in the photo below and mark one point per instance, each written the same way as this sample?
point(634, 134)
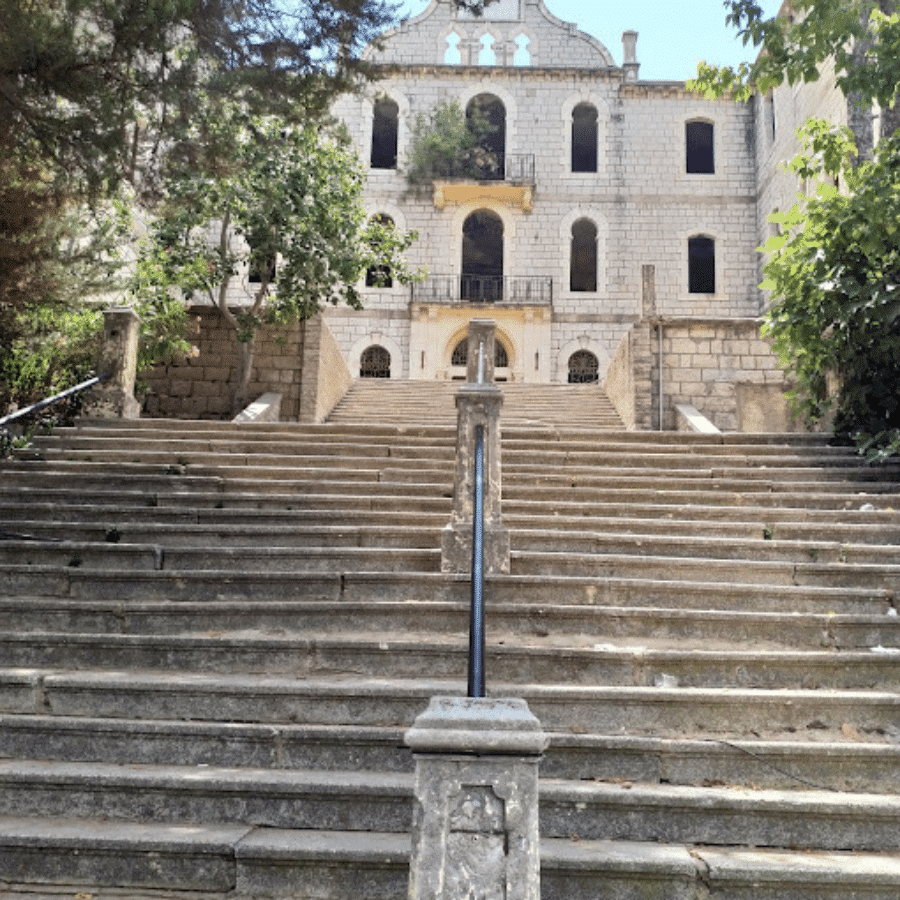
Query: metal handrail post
point(476, 617)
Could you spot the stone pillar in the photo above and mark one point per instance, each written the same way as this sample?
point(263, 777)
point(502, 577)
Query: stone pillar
point(477, 404)
point(481, 331)
point(629, 55)
point(475, 819)
point(114, 398)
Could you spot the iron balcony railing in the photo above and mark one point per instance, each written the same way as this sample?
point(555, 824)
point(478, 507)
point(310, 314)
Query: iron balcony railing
point(537, 291)
point(519, 167)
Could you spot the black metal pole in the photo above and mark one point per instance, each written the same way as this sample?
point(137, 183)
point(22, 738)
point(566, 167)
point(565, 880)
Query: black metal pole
point(476, 619)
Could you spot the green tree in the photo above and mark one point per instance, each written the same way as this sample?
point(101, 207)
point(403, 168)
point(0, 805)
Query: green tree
point(290, 211)
point(833, 272)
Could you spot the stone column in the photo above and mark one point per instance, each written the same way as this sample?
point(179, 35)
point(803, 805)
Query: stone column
point(477, 404)
point(629, 54)
point(114, 398)
point(475, 819)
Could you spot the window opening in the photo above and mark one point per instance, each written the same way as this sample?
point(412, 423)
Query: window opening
point(262, 267)
point(375, 362)
point(380, 276)
point(584, 138)
point(699, 147)
point(522, 56)
point(384, 134)
point(487, 56)
point(482, 257)
point(701, 265)
point(486, 118)
point(584, 368)
point(452, 55)
point(583, 257)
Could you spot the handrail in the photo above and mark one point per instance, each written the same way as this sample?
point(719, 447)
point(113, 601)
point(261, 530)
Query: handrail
point(21, 413)
point(476, 615)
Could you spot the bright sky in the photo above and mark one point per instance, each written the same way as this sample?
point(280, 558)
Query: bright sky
point(672, 37)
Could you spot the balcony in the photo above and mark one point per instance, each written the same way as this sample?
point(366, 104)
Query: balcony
point(484, 289)
point(511, 183)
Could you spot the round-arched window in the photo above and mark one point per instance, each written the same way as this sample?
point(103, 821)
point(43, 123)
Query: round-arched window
point(460, 355)
point(584, 368)
point(375, 362)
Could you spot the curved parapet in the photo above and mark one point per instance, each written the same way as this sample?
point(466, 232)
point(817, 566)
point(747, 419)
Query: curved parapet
point(510, 33)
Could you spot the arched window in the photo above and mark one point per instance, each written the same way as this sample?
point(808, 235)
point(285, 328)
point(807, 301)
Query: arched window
point(698, 139)
point(583, 256)
point(583, 368)
point(522, 56)
point(584, 138)
point(482, 257)
point(486, 118)
point(380, 276)
point(501, 357)
point(487, 56)
point(375, 362)
point(384, 134)
point(701, 265)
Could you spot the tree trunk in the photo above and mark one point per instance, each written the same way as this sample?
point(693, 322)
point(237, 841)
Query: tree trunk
point(242, 388)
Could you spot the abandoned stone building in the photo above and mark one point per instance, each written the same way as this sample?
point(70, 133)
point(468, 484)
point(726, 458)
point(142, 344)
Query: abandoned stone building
point(611, 233)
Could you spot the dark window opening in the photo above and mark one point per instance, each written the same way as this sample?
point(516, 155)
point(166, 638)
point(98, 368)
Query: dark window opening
point(262, 270)
point(583, 258)
point(699, 148)
point(486, 118)
point(584, 368)
point(380, 276)
point(701, 265)
point(384, 135)
point(584, 138)
point(375, 362)
point(482, 257)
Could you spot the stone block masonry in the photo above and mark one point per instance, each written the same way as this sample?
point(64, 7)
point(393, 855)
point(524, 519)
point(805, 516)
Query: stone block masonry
point(202, 385)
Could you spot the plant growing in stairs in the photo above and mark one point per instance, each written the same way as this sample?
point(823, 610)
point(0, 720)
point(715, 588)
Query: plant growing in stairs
point(282, 227)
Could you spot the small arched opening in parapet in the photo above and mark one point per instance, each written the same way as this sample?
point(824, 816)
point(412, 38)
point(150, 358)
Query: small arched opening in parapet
point(487, 56)
point(584, 368)
point(453, 55)
point(522, 56)
point(385, 125)
point(375, 362)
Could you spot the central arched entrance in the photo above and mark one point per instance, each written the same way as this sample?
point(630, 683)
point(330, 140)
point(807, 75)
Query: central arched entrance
point(482, 257)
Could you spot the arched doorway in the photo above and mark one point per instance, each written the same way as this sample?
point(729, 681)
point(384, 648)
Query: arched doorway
point(375, 362)
point(459, 359)
point(482, 257)
point(584, 368)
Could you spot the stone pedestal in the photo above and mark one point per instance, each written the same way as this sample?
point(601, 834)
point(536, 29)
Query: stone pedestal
point(114, 398)
point(476, 405)
point(475, 821)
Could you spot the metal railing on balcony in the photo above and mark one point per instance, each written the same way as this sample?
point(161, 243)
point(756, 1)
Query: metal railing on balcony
point(519, 167)
point(492, 289)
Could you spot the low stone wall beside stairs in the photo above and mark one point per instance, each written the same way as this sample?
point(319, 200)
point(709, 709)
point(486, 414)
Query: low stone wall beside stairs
point(201, 386)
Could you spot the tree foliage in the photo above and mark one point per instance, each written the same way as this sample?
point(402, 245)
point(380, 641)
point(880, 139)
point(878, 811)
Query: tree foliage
point(835, 272)
point(290, 210)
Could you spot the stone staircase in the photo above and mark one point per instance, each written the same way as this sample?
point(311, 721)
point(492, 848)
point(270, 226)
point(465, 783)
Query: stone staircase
point(398, 402)
point(212, 638)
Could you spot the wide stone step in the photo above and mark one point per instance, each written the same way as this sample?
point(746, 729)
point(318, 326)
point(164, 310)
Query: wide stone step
point(241, 863)
point(727, 713)
point(863, 762)
point(532, 623)
point(373, 801)
point(356, 586)
point(606, 663)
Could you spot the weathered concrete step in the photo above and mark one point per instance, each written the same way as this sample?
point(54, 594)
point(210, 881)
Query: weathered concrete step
point(775, 572)
point(859, 762)
point(367, 586)
point(169, 534)
point(129, 558)
point(41, 475)
point(507, 620)
point(660, 711)
point(373, 801)
point(621, 662)
point(331, 865)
